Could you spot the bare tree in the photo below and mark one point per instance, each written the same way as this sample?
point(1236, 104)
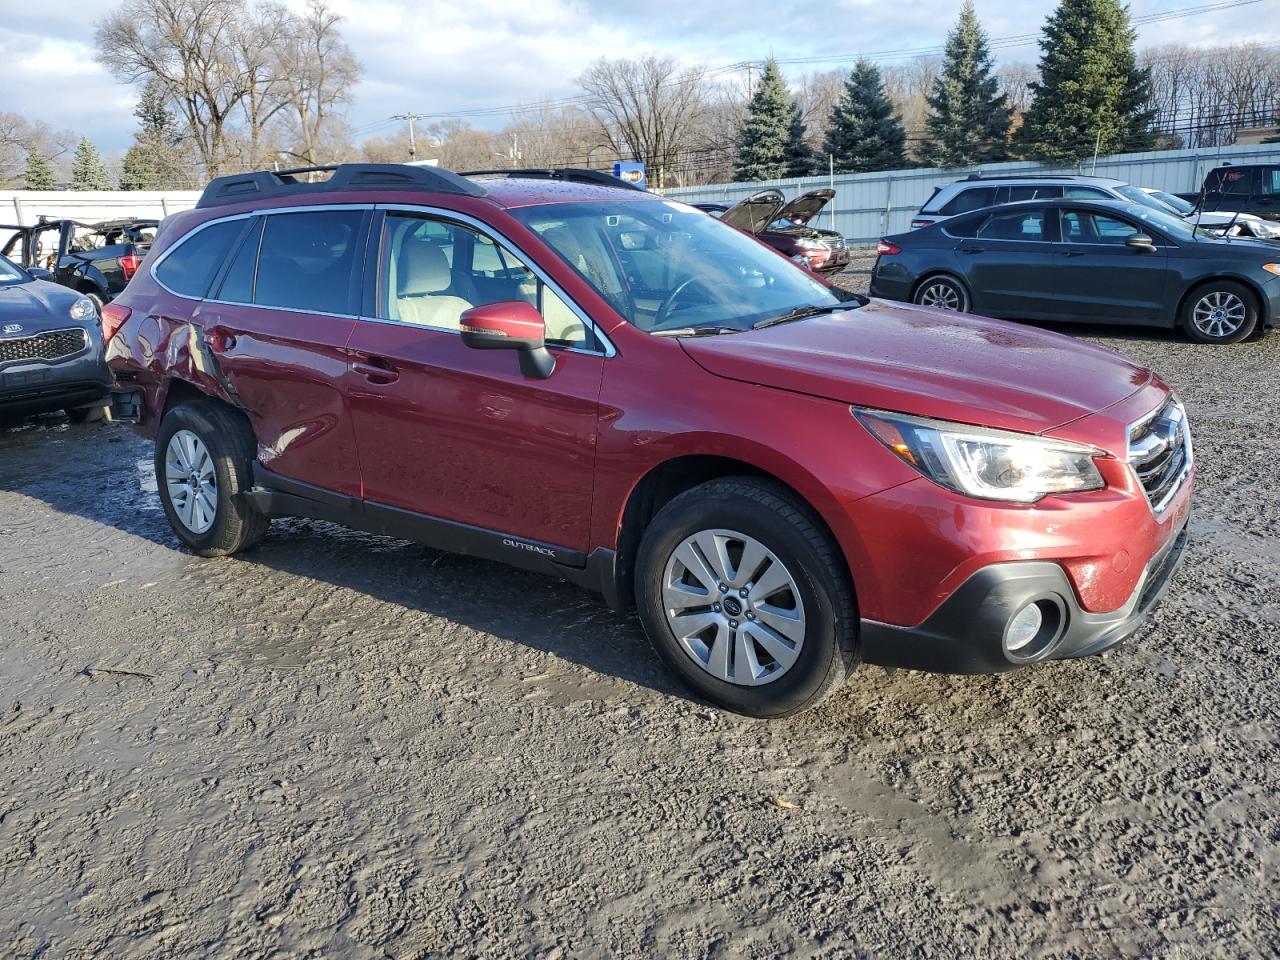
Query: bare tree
point(317, 71)
point(646, 109)
point(19, 136)
point(1204, 97)
point(1015, 84)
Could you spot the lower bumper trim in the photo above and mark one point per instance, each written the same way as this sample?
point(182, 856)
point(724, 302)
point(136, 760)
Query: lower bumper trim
point(965, 635)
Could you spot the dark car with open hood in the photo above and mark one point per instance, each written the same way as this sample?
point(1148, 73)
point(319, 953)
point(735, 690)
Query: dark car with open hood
point(788, 227)
point(51, 355)
point(598, 383)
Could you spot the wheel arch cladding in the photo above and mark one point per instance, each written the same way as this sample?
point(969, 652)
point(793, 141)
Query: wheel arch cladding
point(667, 480)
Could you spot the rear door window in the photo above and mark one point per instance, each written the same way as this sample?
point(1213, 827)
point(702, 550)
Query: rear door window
point(191, 266)
point(308, 261)
point(972, 198)
point(1024, 225)
point(1032, 192)
point(1085, 193)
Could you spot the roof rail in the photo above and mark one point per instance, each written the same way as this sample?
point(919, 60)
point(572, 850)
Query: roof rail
point(265, 184)
point(575, 174)
point(1014, 175)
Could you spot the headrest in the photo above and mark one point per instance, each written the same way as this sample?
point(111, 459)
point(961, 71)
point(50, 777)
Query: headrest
point(423, 268)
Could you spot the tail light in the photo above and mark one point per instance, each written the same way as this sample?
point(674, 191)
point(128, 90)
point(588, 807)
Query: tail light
point(129, 263)
point(886, 249)
point(113, 318)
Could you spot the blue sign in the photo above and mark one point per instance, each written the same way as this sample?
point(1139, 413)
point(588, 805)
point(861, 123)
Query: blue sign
point(631, 172)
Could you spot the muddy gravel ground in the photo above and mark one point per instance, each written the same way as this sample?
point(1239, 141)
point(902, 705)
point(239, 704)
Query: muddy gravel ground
point(343, 745)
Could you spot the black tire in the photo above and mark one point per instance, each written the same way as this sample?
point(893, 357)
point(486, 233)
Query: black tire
point(226, 434)
point(941, 281)
point(768, 513)
point(1225, 290)
point(86, 414)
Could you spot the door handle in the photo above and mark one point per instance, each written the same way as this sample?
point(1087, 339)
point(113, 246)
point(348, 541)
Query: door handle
point(220, 339)
point(376, 370)
point(1073, 253)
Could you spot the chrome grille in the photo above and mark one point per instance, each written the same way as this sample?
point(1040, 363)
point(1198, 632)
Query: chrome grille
point(1160, 452)
point(50, 346)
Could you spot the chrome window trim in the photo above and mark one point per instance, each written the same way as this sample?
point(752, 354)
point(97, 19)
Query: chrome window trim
point(607, 347)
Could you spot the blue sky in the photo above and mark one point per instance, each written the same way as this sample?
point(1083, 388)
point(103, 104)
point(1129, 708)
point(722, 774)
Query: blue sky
point(455, 55)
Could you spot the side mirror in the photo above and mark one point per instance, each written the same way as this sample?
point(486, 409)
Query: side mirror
point(510, 325)
point(40, 273)
point(1140, 243)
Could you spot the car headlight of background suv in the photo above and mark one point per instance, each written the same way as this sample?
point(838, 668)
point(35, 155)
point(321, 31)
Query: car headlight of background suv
point(984, 463)
point(83, 309)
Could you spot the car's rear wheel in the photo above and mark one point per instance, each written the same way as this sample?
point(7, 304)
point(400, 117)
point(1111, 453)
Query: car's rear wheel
point(744, 595)
point(203, 461)
point(1220, 312)
point(944, 293)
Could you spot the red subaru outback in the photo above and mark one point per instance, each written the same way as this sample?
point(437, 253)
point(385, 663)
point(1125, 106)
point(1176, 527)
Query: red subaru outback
point(618, 390)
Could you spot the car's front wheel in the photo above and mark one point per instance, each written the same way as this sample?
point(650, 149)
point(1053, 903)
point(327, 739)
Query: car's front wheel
point(1220, 312)
point(745, 597)
point(203, 459)
point(944, 293)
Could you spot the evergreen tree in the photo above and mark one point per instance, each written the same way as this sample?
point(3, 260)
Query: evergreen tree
point(87, 171)
point(1091, 94)
point(39, 174)
point(799, 160)
point(138, 172)
point(968, 119)
point(772, 136)
point(864, 133)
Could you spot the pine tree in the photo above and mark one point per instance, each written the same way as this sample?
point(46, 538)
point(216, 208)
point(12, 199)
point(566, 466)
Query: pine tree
point(39, 174)
point(1091, 95)
point(968, 119)
point(799, 159)
point(138, 172)
point(864, 133)
point(87, 171)
point(772, 136)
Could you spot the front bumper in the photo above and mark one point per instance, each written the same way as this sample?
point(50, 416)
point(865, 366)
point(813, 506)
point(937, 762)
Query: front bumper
point(966, 633)
point(36, 387)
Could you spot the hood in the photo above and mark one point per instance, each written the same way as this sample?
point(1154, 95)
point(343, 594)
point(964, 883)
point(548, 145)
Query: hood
point(755, 212)
point(806, 206)
point(930, 363)
point(35, 306)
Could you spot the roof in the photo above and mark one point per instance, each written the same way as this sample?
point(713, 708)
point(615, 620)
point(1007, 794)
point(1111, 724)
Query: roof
point(509, 191)
point(1038, 178)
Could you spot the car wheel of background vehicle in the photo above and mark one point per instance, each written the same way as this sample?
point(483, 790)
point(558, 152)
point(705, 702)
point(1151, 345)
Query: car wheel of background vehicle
point(87, 414)
point(743, 593)
point(203, 459)
point(1220, 312)
point(943, 293)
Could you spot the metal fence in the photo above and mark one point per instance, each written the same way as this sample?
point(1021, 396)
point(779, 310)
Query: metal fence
point(25, 207)
point(868, 206)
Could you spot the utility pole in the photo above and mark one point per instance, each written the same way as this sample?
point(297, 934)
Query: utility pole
point(410, 118)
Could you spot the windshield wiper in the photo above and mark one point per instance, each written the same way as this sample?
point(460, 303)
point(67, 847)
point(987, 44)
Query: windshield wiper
point(800, 313)
point(695, 331)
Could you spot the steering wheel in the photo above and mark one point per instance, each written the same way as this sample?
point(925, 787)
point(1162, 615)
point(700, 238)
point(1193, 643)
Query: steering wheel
point(668, 304)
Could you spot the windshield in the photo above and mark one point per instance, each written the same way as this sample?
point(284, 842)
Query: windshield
point(1164, 221)
point(1177, 203)
point(10, 274)
point(1130, 192)
point(666, 266)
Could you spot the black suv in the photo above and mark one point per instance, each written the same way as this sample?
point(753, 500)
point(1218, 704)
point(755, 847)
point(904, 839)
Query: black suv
point(97, 259)
point(1247, 188)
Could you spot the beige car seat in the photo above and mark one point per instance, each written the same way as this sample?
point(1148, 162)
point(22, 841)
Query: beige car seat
point(423, 277)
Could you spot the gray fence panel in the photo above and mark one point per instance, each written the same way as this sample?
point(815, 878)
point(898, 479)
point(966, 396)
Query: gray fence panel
point(868, 206)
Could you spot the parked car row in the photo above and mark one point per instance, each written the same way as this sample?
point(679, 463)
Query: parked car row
point(782, 478)
point(787, 227)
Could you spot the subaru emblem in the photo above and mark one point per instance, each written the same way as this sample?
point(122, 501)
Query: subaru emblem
point(11, 328)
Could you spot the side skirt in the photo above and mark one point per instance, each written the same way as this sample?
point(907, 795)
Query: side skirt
point(277, 496)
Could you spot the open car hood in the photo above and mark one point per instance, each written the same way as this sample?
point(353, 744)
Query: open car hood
point(754, 213)
point(806, 206)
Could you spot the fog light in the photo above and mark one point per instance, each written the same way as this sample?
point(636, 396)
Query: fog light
point(1023, 628)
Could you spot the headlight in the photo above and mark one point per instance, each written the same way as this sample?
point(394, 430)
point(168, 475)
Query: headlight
point(989, 464)
point(811, 245)
point(1272, 268)
point(83, 309)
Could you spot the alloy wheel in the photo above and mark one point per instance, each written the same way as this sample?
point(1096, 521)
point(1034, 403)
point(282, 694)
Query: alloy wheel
point(733, 607)
point(939, 294)
point(191, 481)
point(1219, 314)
